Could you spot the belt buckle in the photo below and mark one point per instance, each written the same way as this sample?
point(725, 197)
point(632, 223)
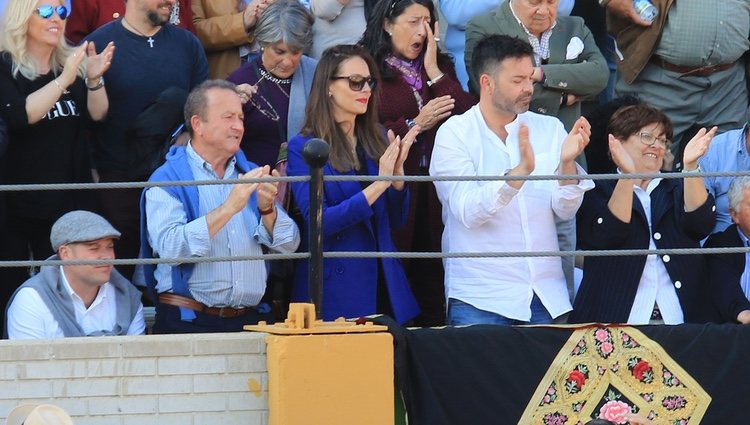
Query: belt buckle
point(227, 313)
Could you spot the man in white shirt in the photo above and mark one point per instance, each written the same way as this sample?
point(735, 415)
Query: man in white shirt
point(499, 136)
point(80, 300)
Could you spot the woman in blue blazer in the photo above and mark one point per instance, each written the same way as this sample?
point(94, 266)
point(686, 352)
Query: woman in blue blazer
point(357, 216)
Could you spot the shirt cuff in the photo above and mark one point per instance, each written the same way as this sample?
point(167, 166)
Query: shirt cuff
point(505, 194)
point(571, 191)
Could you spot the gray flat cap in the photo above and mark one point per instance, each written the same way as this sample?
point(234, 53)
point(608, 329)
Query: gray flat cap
point(80, 226)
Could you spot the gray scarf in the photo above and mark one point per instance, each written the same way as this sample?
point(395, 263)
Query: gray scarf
point(49, 285)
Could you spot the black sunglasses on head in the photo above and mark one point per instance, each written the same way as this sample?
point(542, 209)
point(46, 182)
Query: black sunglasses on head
point(357, 82)
point(46, 11)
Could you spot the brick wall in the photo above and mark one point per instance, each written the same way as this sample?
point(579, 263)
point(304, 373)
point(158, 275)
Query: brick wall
point(161, 379)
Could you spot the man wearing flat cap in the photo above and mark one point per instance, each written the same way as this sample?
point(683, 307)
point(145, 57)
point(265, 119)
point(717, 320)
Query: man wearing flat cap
point(77, 300)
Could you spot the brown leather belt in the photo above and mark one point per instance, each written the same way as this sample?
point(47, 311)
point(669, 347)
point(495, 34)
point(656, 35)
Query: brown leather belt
point(701, 71)
point(224, 312)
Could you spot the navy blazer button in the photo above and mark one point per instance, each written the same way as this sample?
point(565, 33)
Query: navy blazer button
point(599, 220)
point(666, 258)
point(678, 284)
point(657, 236)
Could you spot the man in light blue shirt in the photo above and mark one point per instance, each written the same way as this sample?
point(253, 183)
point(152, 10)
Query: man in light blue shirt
point(728, 152)
point(212, 221)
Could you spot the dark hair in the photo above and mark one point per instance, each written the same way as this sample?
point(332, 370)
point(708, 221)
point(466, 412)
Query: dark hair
point(495, 48)
point(629, 120)
point(369, 7)
point(598, 158)
point(378, 42)
point(319, 120)
point(599, 422)
point(197, 100)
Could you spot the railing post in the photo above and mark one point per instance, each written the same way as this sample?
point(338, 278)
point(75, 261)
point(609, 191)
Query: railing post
point(316, 153)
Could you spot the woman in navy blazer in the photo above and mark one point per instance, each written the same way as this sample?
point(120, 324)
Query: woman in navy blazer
point(644, 214)
point(357, 216)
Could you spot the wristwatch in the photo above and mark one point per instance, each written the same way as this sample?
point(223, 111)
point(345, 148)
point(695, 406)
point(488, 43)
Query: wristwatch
point(697, 170)
point(99, 85)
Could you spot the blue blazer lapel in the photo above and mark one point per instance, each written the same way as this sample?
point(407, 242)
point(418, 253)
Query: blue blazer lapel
point(337, 192)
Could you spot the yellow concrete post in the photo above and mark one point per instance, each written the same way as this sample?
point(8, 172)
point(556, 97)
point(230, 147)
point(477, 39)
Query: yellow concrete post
point(328, 373)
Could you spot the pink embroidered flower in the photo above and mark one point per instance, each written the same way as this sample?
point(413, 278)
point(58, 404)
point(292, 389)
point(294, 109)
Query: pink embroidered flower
point(601, 335)
point(675, 381)
point(551, 390)
point(614, 411)
point(607, 348)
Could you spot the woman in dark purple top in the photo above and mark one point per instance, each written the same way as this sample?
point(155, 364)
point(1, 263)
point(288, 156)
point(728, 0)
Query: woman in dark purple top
point(277, 81)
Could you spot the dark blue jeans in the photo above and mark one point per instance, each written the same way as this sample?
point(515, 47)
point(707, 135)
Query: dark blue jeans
point(461, 313)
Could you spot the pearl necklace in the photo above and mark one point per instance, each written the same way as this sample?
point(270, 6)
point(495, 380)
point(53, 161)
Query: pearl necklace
point(270, 77)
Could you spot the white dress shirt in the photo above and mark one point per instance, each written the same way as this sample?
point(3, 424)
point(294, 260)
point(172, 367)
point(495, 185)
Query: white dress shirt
point(29, 318)
point(492, 216)
point(656, 286)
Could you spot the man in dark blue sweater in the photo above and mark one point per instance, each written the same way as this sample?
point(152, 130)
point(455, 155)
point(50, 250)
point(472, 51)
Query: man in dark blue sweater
point(151, 57)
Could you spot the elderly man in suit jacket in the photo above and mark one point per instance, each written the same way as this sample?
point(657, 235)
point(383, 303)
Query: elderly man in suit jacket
point(728, 274)
point(568, 66)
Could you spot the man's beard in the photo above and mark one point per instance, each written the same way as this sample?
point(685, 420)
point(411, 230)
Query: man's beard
point(156, 20)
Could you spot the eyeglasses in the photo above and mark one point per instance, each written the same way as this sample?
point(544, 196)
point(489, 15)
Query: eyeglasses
point(649, 139)
point(46, 11)
point(357, 82)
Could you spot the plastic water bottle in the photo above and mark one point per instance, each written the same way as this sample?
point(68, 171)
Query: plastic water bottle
point(646, 10)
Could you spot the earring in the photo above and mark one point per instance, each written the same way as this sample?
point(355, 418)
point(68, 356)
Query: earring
point(330, 94)
point(390, 34)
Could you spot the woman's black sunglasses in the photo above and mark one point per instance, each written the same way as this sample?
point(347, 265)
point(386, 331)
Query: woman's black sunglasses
point(357, 82)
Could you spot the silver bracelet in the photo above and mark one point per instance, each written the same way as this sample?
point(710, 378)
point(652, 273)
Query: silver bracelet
point(60, 87)
point(435, 80)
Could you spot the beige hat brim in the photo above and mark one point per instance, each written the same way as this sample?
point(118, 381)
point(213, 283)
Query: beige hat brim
point(38, 414)
point(19, 414)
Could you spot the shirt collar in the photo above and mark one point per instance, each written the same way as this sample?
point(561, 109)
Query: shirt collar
point(745, 240)
point(73, 294)
point(526, 30)
point(197, 161)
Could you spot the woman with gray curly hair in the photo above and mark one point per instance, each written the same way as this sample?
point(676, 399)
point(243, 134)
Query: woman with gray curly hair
point(276, 82)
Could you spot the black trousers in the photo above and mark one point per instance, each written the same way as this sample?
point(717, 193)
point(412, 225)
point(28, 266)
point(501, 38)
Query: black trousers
point(168, 321)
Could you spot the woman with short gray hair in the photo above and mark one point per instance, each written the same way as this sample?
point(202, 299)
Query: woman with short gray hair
point(276, 82)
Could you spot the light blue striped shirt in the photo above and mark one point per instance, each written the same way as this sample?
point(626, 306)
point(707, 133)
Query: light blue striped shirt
point(727, 152)
point(234, 283)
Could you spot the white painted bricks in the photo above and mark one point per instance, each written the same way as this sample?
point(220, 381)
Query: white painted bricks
point(190, 379)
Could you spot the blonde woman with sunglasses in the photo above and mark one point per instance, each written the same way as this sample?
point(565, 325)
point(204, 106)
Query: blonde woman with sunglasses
point(357, 216)
point(48, 93)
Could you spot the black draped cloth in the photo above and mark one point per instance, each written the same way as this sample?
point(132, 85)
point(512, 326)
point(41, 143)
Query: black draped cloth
point(488, 374)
